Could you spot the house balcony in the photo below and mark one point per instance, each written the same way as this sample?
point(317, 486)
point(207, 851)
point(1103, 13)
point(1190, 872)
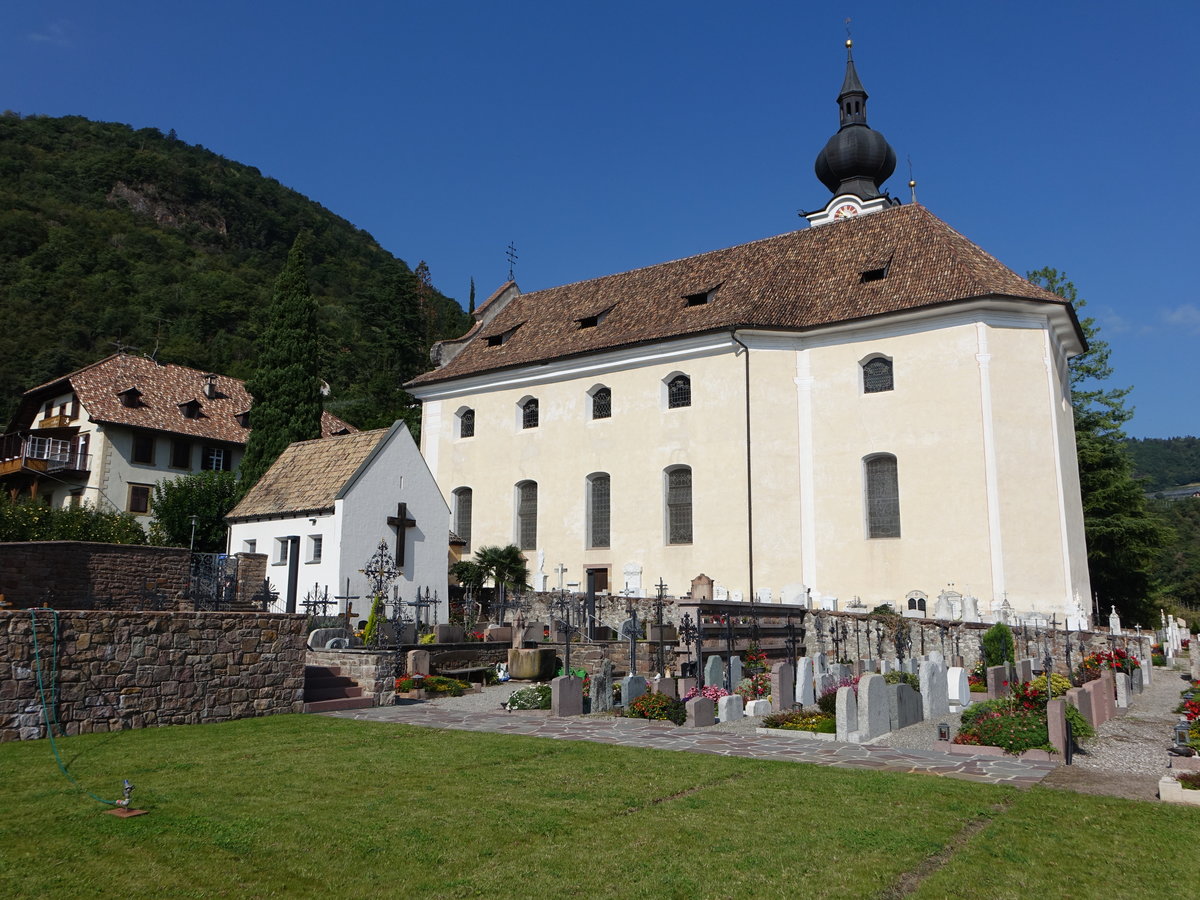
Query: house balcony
point(48, 422)
point(20, 453)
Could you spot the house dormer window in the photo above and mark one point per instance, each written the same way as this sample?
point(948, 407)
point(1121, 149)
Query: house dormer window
point(243, 419)
point(594, 320)
point(130, 397)
point(503, 337)
point(700, 298)
point(190, 409)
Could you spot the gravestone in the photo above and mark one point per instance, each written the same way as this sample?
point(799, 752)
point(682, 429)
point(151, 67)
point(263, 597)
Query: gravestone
point(847, 715)
point(1194, 654)
point(820, 663)
point(970, 609)
point(934, 700)
point(407, 633)
point(1147, 669)
point(942, 608)
point(763, 595)
point(1082, 700)
point(418, 662)
point(958, 688)
point(1122, 683)
point(633, 579)
point(566, 696)
point(758, 708)
point(997, 678)
point(448, 634)
point(701, 712)
point(805, 695)
point(1136, 681)
point(904, 706)
point(736, 596)
point(730, 709)
point(602, 688)
point(667, 687)
point(888, 665)
point(909, 666)
point(1108, 693)
point(1056, 725)
point(720, 593)
point(874, 718)
point(735, 670)
point(632, 687)
point(840, 671)
point(823, 684)
point(498, 634)
point(1024, 670)
point(936, 656)
point(685, 685)
point(783, 686)
point(714, 671)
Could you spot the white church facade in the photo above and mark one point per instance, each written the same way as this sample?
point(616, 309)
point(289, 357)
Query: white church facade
point(860, 409)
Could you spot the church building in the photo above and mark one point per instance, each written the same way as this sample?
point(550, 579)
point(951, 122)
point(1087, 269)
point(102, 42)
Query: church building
point(864, 408)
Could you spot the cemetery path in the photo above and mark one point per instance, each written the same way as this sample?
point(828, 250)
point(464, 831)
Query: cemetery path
point(1129, 753)
point(665, 736)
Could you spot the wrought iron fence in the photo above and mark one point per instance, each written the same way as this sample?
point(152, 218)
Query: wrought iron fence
point(212, 581)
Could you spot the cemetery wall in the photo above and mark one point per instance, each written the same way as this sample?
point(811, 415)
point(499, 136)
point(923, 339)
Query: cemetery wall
point(119, 670)
point(39, 573)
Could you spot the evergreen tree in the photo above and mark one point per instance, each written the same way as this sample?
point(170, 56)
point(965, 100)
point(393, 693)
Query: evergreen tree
point(285, 386)
point(1124, 540)
point(471, 306)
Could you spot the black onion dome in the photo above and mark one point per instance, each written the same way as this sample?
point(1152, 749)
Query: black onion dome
point(856, 160)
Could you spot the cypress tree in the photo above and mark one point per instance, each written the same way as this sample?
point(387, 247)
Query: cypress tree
point(471, 307)
point(285, 386)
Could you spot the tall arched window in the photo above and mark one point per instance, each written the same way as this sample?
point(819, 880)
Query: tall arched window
point(466, 423)
point(679, 505)
point(529, 413)
point(882, 495)
point(462, 514)
point(527, 502)
point(599, 509)
point(679, 392)
point(601, 403)
point(877, 375)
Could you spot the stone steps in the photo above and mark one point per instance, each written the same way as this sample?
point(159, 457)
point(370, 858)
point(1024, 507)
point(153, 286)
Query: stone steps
point(326, 689)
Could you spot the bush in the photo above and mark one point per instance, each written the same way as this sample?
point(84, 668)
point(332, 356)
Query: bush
point(1014, 730)
point(536, 696)
point(756, 687)
point(1157, 659)
point(802, 720)
point(827, 702)
point(439, 684)
point(32, 520)
point(998, 646)
point(659, 707)
point(1190, 780)
point(1059, 684)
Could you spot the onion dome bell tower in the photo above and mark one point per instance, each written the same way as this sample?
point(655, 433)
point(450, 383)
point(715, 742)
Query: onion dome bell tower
point(856, 160)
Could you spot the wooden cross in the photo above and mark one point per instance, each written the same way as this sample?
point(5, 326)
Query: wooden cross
point(401, 521)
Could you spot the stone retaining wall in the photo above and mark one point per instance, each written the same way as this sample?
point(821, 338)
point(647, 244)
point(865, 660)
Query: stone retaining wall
point(119, 670)
point(371, 670)
point(53, 573)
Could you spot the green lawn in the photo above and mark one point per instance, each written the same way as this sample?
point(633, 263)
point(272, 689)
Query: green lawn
point(310, 806)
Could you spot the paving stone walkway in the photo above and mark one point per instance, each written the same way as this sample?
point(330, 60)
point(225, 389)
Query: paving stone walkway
point(665, 736)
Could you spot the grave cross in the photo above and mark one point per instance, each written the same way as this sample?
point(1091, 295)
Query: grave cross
point(729, 651)
point(689, 633)
point(401, 521)
point(791, 641)
point(347, 597)
point(631, 610)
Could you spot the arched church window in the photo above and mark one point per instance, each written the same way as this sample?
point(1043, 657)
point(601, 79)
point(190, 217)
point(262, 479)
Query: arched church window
point(882, 496)
point(877, 375)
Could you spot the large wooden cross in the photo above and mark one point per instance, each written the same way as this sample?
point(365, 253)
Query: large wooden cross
point(401, 521)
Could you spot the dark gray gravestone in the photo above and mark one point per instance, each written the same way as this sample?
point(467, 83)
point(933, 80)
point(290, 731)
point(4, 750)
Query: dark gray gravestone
point(714, 671)
point(602, 688)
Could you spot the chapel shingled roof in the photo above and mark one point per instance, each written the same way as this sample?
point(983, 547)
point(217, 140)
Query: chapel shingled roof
point(795, 281)
point(307, 476)
point(163, 388)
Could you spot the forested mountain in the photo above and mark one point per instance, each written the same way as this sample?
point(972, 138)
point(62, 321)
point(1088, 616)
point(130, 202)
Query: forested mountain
point(114, 237)
point(1165, 462)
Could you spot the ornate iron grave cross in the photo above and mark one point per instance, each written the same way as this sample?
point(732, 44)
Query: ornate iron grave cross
point(633, 628)
point(658, 620)
point(563, 605)
point(729, 640)
point(689, 633)
point(792, 641)
point(347, 597)
point(316, 602)
point(401, 521)
point(380, 571)
point(421, 604)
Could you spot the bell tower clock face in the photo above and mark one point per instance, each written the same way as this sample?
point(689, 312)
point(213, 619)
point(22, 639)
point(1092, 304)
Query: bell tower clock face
point(845, 211)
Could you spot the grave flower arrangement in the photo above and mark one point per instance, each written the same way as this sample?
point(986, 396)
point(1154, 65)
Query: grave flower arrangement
point(977, 678)
point(658, 707)
point(1116, 660)
point(409, 683)
point(756, 687)
point(756, 659)
point(536, 696)
point(802, 720)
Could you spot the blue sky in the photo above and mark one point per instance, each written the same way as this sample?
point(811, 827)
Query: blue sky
point(601, 137)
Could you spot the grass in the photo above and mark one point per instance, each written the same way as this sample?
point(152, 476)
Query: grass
point(306, 806)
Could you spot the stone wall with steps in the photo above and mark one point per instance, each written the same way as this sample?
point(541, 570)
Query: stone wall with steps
point(119, 670)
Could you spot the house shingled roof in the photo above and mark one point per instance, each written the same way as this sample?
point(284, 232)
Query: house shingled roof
point(795, 281)
point(307, 476)
point(163, 388)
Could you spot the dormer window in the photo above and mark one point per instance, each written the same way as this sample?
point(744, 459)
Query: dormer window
point(243, 418)
point(503, 337)
point(130, 397)
point(593, 321)
point(873, 274)
point(875, 269)
point(190, 409)
point(701, 298)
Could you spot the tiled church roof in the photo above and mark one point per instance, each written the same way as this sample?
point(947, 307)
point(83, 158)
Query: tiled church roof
point(307, 476)
point(163, 388)
point(796, 281)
